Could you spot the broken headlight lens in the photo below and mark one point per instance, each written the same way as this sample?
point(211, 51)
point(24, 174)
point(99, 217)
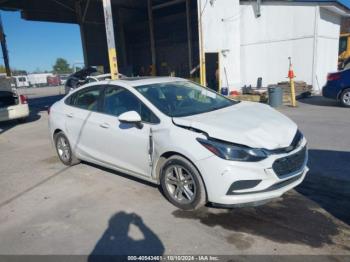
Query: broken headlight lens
point(233, 152)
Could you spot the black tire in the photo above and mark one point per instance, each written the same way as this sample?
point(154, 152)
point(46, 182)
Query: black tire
point(68, 160)
point(196, 185)
point(345, 98)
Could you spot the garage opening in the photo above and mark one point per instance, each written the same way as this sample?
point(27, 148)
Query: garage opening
point(212, 70)
point(175, 40)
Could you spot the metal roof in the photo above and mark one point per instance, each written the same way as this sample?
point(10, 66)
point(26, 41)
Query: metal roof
point(344, 3)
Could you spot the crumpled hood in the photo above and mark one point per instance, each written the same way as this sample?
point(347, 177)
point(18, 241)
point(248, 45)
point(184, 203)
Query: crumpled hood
point(247, 123)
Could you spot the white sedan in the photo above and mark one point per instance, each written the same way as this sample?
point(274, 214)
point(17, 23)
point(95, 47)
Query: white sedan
point(199, 146)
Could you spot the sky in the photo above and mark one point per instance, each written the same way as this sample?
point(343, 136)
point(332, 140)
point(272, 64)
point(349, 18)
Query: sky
point(36, 45)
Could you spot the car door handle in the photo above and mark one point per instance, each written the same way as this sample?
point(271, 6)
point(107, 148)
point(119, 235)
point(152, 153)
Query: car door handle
point(70, 115)
point(104, 125)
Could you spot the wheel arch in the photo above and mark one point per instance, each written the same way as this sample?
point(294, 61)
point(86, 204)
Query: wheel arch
point(57, 130)
point(166, 155)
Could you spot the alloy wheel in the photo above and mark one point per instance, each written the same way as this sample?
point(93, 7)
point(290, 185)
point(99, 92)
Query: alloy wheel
point(180, 184)
point(63, 149)
point(346, 98)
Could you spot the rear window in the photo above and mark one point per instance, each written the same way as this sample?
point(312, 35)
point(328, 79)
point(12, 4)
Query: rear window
point(86, 98)
point(7, 98)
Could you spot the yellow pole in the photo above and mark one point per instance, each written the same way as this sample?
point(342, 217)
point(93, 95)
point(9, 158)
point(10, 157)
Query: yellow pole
point(292, 92)
point(291, 81)
point(112, 54)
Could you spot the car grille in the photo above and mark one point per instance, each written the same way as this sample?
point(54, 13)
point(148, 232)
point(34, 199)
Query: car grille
point(290, 164)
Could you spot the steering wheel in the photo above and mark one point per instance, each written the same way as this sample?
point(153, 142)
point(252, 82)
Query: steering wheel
point(184, 102)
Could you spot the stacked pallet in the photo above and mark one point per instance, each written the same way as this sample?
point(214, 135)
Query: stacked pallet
point(301, 88)
point(250, 97)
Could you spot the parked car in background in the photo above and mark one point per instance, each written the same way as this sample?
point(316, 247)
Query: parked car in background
point(21, 81)
point(63, 79)
point(12, 104)
point(84, 76)
point(78, 78)
point(198, 145)
point(337, 87)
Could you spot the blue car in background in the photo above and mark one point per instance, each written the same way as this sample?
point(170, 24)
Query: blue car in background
point(338, 87)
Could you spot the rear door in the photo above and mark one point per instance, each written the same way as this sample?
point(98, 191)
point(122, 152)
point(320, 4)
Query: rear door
point(124, 146)
point(80, 107)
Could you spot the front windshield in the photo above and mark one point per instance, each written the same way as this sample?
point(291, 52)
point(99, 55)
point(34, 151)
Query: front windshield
point(183, 98)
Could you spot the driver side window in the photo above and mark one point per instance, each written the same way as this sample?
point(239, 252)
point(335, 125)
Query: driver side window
point(118, 100)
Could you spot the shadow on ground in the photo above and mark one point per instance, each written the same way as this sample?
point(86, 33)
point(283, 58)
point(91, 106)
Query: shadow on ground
point(319, 101)
point(289, 220)
point(36, 105)
point(116, 240)
point(139, 180)
point(294, 218)
point(328, 182)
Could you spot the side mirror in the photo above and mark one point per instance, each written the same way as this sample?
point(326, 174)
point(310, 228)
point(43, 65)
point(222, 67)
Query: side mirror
point(131, 117)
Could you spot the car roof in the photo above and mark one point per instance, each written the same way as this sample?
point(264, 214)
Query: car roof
point(139, 81)
point(133, 81)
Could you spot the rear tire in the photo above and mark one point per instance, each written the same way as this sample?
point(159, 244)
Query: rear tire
point(182, 184)
point(345, 98)
point(64, 150)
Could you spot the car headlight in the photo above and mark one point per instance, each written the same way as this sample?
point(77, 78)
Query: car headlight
point(233, 152)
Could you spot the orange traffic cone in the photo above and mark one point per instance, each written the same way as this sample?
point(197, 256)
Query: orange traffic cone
point(290, 71)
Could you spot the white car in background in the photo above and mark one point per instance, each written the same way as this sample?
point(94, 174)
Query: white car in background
point(12, 105)
point(198, 145)
point(21, 81)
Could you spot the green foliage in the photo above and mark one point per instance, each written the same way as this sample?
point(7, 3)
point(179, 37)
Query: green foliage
point(61, 66)
point(2, 69)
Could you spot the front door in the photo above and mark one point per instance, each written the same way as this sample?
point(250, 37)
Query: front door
point(124, 146)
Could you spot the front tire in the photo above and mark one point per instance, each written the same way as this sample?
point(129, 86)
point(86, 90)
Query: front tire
point(64, 150)
point(182, 184)
point(345, 98)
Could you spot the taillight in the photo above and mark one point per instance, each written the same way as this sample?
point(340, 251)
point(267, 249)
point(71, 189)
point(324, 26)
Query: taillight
point(23, 99)
point(332, 77)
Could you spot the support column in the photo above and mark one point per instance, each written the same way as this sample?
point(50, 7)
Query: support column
point(121, 41)
point(4, 49)
point(112, 54)
point(201, 46)
point(152, 42)
point(189, 34)
point(82, 31)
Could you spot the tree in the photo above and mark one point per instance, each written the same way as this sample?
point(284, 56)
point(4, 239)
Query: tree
point(2, 69)
point(61, 66)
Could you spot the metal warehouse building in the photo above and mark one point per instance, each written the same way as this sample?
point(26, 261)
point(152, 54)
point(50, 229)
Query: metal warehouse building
point(244, 40)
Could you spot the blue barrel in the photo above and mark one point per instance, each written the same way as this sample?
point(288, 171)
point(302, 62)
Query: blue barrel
point(224, 91)
point(275, 96)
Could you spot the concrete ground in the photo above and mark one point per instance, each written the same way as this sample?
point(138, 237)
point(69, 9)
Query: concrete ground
point(47, 208)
